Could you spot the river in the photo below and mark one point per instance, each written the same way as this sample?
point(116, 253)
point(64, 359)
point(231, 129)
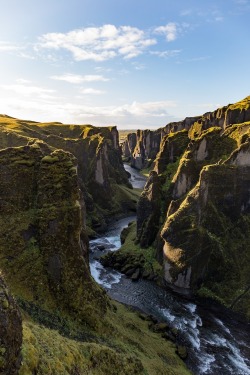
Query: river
point(218, 343)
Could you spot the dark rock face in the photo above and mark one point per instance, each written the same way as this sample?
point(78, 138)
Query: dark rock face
point(98, 154)
point(10, 333)
point(147, 146)
point(146, 143)
point(174, 127)
point(171, 148)
point(128, 145)
point(43, 242)
point(201, 207)
point(200, 241)
point(149, 210)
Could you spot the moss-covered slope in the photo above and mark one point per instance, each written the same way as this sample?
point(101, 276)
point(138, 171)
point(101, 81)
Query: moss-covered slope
point(10, 332)
point(69, 325)
point(41, 224)
point(99, 163)
point(203, 224)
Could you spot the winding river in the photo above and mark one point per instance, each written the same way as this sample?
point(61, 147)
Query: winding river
point(217, 342)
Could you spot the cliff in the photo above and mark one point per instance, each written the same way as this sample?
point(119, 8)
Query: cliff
point(202, 233)
point(42, 220)
point(10, 332)
point(69, 326)
point(141, 148)
point(99, 165)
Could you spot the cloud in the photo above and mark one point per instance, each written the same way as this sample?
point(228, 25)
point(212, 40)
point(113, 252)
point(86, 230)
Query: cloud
point(75, 78)
point(23, 81)
point(201, 58)
point(23, 89)
point(91, 91)
point(130, 115)
point(166, 54)
point(138, 66)
point(170, 31)
point(6, 47)
point(99, 43)
point(186, 12)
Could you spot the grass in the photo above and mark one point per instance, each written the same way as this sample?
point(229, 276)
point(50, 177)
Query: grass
point(127, 347)
point(134, 253)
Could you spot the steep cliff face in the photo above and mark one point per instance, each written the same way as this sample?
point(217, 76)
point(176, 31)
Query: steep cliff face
point(147, 146)
point(69, 325)
point(223, 117)
point(42, 220)
point(149, 210)
point(146, 143)
point(99, 163)
point(206, 240)
point(10, 332)
point(128, 145)
point(203, 175)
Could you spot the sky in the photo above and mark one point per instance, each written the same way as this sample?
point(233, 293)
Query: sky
point(130, 63)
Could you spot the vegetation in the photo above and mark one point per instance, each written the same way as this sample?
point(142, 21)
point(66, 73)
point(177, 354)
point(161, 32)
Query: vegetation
point(127, 347)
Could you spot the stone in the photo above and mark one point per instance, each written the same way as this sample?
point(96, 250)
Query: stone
point(136, 275)
point(182, 351)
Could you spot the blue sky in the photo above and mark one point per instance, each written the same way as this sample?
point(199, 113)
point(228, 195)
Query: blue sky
point(134, 64)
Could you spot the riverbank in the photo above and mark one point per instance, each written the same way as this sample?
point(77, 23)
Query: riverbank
point(217, 342)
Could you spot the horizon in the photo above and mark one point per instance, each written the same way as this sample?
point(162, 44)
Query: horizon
point(136, 66)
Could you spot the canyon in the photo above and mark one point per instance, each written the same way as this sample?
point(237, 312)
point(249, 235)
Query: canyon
point(63, 184)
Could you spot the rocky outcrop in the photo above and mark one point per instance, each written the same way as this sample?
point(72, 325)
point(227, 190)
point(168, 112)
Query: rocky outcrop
point(146, 143)
point(147, 146)
point(43, 241)
point(128, 145)
point(174, 127)
point(99, 162)
point(223, 117)
point(203, 191)
point(10, 332)
point(201, 247)
point(149, 211)
point(69, 324)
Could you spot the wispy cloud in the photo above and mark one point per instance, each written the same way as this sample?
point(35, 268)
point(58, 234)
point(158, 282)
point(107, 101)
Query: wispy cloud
point(77, 79)
point(200, 58)
point(99, 43)
point(24, 89)
point(139, 114)
point(169, 30)
point(166, 54)
point(157, 109)
point(7, 47)
point(91, 91)
point(138, 66)
point(186, 12)
point(23, 81)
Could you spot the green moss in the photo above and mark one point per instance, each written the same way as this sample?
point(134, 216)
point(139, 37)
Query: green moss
point(133, 255)
point(50, 159)
point(241, 105)
point(209, 294)
point(133, 349)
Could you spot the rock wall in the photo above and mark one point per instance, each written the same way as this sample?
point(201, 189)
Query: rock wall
point(146, 143)
point(149, 210)
point(203, 177)
point(10, 332)
point(99, 162)
point(43, 241)
point(128, 145)
point(69, 325)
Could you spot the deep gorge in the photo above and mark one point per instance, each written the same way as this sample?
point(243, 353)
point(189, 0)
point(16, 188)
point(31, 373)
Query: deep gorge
point(63, 184)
